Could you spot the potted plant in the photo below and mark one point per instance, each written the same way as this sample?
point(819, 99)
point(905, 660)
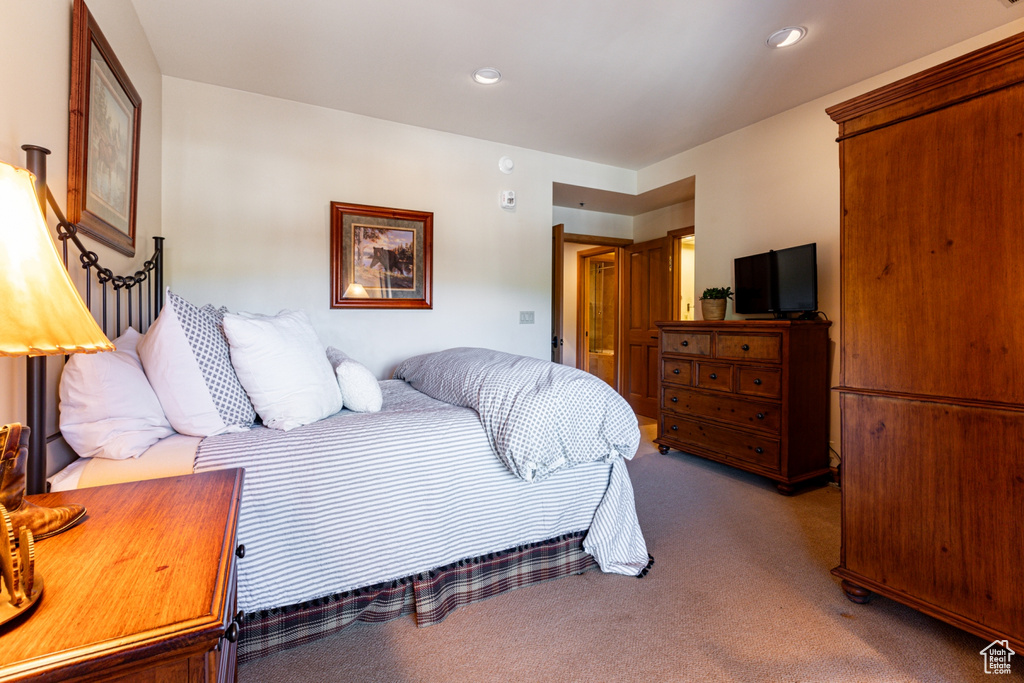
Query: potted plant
point(712, 302)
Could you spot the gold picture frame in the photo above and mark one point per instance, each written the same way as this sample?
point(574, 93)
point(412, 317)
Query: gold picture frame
point(380, 257)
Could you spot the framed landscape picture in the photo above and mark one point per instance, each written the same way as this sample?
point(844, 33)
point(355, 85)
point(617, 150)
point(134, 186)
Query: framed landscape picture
point(380, 257)
point(103, 141)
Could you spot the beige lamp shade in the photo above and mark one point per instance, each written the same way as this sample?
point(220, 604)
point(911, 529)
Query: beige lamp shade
point(41, 312)
point(356, 291)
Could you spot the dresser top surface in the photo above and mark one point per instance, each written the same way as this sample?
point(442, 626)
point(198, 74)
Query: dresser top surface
point(149, 564)
point(749, 324)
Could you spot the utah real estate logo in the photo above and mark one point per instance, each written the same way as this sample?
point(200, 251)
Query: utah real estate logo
point(997, 657)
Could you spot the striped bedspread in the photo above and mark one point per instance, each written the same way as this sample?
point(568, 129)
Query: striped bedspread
point(361, 498)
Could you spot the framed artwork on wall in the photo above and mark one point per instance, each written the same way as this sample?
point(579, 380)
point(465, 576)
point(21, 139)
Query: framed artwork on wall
point(381, 258)
point(103, 141)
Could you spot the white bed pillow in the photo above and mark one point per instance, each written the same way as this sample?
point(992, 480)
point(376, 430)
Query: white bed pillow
point(360, 390)
point(186, 357)
point(107, 407)
point(283, 367)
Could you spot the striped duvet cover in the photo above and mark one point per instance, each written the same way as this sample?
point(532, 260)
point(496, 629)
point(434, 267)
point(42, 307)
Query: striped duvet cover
point(361, 498)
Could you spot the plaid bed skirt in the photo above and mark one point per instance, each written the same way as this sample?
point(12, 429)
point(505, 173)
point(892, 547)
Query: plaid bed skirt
point(431, 596)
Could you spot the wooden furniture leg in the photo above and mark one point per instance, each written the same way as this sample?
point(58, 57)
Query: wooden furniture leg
point(784, 488)
point(856, 594)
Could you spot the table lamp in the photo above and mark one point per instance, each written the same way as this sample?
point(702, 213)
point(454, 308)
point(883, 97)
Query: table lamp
point(41, 314)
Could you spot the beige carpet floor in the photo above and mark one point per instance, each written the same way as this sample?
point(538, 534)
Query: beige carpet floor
point(740, 591)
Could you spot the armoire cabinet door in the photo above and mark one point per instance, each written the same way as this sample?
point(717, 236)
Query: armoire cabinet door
point(933, 241)
point(933, 504)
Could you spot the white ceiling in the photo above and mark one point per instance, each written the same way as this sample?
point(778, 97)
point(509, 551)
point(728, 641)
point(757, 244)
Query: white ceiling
point(626, 82)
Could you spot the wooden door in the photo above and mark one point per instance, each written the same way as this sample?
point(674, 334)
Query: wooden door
point(646, 300)
point(557, 283)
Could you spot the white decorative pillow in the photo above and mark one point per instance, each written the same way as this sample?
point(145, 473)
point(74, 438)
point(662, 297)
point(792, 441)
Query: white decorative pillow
point(186, 357)
point(360, 390)
point(107, 407)
point(282, 365)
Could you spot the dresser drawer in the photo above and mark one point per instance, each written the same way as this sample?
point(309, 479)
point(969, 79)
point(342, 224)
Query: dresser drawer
point(746, 447)
point(760, 381)
point(749, 346)
point(713, 376)
point(756, 415)
point(690, 343)
point(677, 371)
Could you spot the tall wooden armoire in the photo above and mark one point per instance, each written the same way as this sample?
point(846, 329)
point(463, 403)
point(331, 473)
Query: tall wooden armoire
point(932, 393)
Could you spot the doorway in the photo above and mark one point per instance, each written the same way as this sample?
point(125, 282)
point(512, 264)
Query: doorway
point(683, 296)
point(597, 313)
point(565, 291)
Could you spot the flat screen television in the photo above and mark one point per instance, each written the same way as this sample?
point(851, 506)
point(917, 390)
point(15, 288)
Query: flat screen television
point(777, 282)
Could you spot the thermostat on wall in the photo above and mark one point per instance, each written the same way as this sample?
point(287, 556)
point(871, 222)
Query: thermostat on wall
point(508, 199)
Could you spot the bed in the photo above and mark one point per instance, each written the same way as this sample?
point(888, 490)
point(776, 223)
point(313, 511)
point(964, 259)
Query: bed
point(405, 510)
point(454, 526)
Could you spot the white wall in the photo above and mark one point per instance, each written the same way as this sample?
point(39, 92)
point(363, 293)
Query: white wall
point(35, 65)
point(248, 180)
point(775, 184)
point(570, 293)
point(583, 222)
point(658, 223)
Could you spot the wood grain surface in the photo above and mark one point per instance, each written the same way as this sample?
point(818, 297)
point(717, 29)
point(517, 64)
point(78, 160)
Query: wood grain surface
point(932, 379)
point(148, 575)
point(751, 393)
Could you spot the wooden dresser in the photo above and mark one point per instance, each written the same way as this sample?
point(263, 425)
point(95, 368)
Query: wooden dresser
point(751, 394)
point(142, 590)
point(932, 393)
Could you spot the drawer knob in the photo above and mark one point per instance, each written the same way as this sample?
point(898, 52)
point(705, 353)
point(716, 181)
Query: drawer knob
point(759, 450)
point(676, 371)
point(231, 633)
point(757, 381)
point(240, 616)
point(240, 550)
point(675, 399)
point(760, 416)
point(713, 376)
point(675, 428)
point(686, 343)
point(745, 347)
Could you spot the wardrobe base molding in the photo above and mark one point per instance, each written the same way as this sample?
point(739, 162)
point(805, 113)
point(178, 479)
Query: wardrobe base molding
point(853, 581)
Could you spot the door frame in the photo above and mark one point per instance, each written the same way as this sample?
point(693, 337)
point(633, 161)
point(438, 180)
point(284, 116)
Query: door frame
point(677, 236)
point(557, 285)
point(559, 238)
point(581, 315)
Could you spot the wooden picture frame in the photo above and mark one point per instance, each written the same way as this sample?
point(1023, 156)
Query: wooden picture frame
point(380, 257)
point(103, 141)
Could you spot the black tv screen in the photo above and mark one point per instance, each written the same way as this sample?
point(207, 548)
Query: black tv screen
point(753, 284)
point(783, 281)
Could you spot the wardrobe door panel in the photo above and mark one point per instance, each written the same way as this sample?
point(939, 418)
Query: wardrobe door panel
point(933, 235)
point(933, 504)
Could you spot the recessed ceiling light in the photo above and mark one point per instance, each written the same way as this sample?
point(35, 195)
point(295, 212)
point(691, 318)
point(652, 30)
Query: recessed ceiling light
point(791, 35)
point(487, 75)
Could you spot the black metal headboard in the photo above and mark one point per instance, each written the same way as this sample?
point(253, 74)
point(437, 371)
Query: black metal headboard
point(140, 312)
point(116, 301)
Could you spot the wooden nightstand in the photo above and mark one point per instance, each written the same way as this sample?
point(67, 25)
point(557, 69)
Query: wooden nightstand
point(142, 590)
